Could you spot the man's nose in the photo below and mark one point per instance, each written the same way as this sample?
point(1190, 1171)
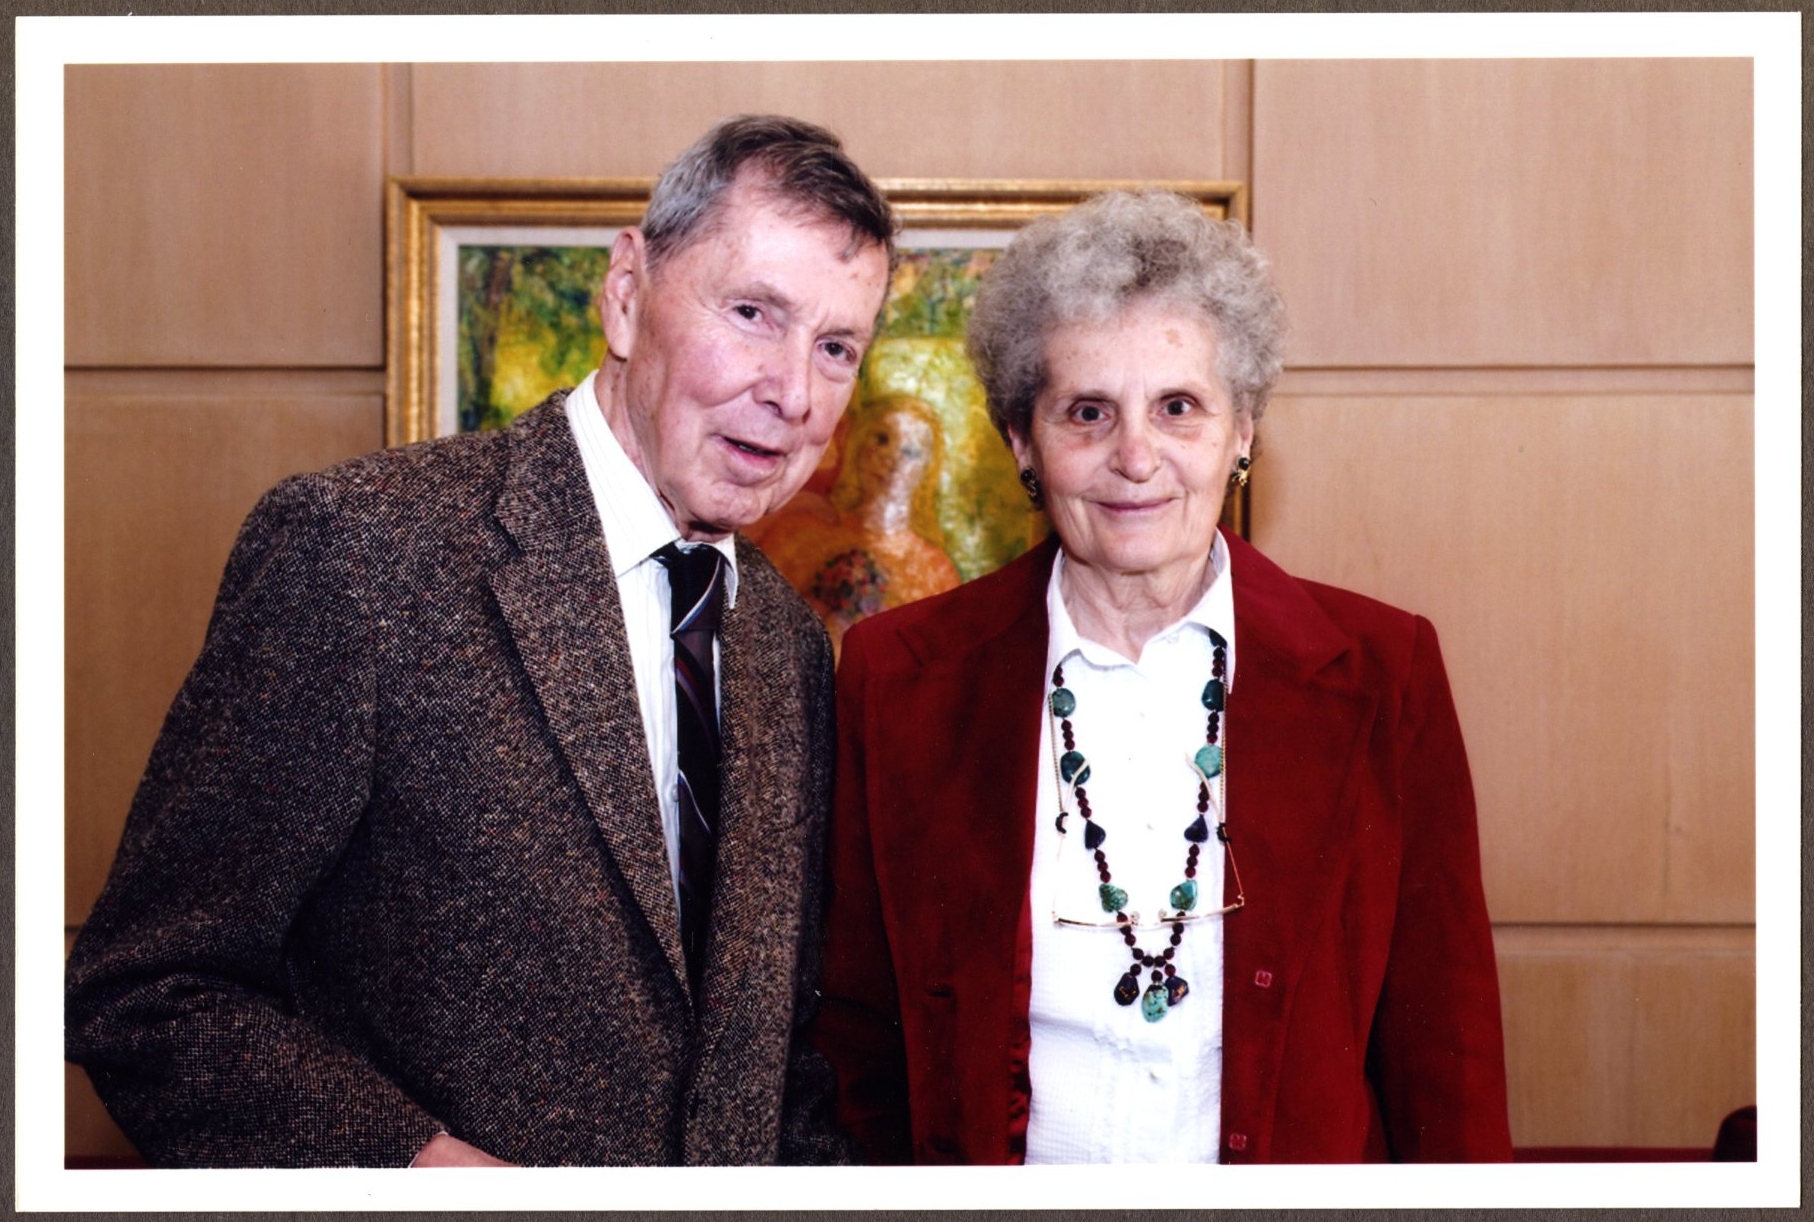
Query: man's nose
point(787, 381)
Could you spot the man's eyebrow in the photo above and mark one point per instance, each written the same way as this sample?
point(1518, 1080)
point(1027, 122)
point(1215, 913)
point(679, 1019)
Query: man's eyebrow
point(764, 293)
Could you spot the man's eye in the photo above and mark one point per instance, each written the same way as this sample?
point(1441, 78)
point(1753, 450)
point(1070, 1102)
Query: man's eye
point(748, 313)
point(839, 351)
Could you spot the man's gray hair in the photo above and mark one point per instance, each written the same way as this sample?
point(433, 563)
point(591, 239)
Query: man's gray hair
point(1089, 264)
point(800, 164)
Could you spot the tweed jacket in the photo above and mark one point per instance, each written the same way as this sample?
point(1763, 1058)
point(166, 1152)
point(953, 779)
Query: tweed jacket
point(396, 863)
point(1360, 1001)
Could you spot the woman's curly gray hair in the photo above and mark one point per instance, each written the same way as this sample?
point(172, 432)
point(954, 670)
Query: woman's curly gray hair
point(1090, 263)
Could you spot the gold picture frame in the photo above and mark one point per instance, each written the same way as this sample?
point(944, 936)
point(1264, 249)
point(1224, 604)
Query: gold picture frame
point(429, 220)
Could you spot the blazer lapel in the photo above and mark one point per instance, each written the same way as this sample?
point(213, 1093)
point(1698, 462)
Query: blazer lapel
point(559, 599)
point(771, 786)
point(957, 788)
point(1296, 731)
point(765, 768)
point(975, 707)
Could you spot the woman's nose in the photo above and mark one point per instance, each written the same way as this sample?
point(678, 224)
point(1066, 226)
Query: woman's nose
point(1135, 457)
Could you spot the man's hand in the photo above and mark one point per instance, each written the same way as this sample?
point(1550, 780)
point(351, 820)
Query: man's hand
point(443, 1150)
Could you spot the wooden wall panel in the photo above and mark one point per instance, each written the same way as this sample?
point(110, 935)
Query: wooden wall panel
point(1508, 212)
point(934, 119)
point(155, 492)
point(224, 215)
point(1587, 563)
point(1627, 1036)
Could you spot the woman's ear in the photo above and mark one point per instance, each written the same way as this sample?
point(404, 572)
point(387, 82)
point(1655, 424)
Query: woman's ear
point(1023, 450)
point(620, 300)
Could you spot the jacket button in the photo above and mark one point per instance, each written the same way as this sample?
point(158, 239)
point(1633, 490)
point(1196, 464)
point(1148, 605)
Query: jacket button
point(1237, 1141)
point(1263, 978)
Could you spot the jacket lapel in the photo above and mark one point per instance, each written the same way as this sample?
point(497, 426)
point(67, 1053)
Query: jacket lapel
point(975, 706)
point(775, 788)
point(766, 724)
point(559, 599)
point(956, 788)
point(1297, 729)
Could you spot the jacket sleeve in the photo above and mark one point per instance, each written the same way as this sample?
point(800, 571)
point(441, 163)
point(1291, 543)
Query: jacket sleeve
point(178, 1003)
point(1437, 1056)
point(810, 1135)
point(859, 1023)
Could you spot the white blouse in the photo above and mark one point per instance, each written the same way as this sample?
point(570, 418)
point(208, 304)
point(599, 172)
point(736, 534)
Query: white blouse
point(1107, 1085)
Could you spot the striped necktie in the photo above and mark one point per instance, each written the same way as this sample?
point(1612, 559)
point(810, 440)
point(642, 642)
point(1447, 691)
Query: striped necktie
point(696, 580)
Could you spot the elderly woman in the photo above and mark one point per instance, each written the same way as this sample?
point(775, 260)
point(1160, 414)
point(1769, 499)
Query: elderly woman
point(1041, 946)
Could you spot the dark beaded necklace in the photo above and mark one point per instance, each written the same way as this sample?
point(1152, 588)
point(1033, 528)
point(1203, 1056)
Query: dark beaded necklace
point(1166, 988)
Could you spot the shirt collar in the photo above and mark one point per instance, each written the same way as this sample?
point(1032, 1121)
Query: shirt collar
point(1214, 611)
point(636, 524)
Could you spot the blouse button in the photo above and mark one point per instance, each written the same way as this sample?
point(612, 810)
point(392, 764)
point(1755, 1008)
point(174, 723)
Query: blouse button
point(1263, 978)
point(1237, 1141)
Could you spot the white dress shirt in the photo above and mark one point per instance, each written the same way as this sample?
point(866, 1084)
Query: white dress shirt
point(636, 527)
point(1108, 1086)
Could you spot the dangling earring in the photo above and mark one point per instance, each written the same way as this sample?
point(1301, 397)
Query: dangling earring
point(1241, 466)
point(1030, 482)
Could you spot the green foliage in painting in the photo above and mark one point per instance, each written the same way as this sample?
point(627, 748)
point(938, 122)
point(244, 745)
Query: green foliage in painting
point(933, 293)
point(527, 326)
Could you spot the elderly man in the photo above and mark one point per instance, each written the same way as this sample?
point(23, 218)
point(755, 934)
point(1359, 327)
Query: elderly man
point(488, 825)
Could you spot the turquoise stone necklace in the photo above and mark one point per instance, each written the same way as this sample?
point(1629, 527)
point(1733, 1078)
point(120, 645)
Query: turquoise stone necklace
point(1166, 988)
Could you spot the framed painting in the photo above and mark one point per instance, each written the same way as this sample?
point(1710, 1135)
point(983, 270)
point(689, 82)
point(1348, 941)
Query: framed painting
point(492, 305)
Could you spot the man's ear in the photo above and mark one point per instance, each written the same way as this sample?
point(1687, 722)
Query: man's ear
point(620, 300)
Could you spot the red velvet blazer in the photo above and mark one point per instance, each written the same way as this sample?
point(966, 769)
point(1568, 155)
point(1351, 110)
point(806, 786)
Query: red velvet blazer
point(1360, 1002)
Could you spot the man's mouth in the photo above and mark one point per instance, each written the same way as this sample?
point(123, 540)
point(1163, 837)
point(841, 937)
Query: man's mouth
point(751, 448)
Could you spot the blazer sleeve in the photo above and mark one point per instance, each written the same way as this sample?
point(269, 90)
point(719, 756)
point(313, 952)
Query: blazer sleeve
point(177, 1001)
point(859, 1022)
point(1437, 1056)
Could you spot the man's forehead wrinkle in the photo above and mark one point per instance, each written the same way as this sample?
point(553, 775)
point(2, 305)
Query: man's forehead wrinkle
point(768, 194)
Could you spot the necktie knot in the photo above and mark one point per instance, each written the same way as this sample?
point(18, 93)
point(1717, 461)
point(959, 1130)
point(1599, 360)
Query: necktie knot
point(696, 581)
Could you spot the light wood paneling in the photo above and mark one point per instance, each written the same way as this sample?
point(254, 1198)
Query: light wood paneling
point(1508, 212)
point(1105, 119)
point(1627, 1036)
point(1487, 380)
point(156, 488)
point(224, 215)
point(1587, 563)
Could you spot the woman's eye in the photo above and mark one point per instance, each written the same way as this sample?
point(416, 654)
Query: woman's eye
point(1177, 407)
point(1089, 413)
